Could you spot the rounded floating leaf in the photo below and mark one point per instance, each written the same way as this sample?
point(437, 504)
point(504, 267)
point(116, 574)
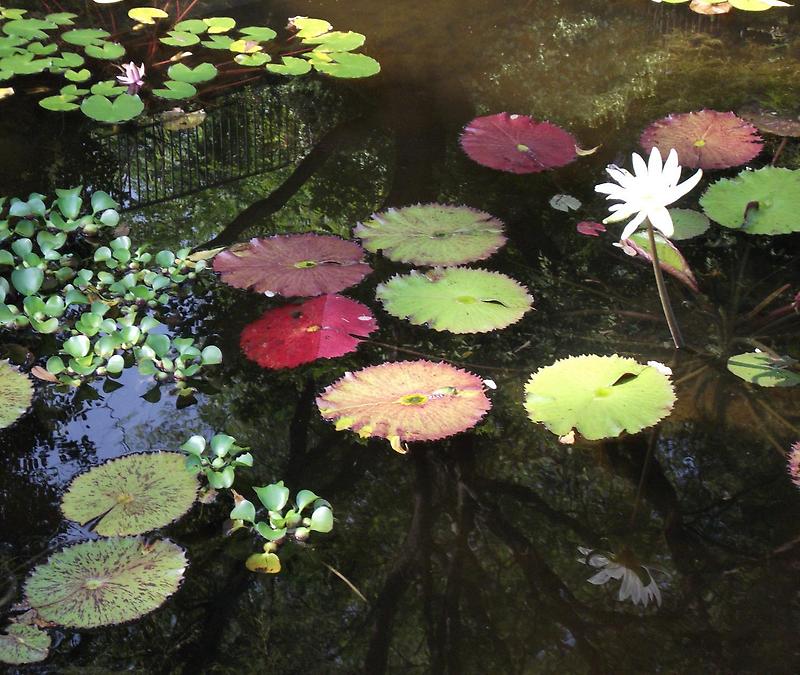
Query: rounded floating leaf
point(345, 64)
point(763, 370)
point(293, 265)
point(132, 494)
point(517, 143)
point(20, 644)
point(432, 234)
point(770, 122)
point(124, 107)
point(147, 15)
point(175, 90)
point(706, 139)
point(406, 401)
point(598, 396)
point(183, 73)
point(688, 223)
point(16, 392)
point(103, 582)
point(766, 201)
point(290, 65)
point(325, 327)
point(456, 299)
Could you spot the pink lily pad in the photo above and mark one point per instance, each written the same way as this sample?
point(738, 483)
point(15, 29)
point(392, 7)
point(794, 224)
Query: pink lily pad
point(517, 143)
point(322, 328)
point(293, 265)
point(590, 228)
point(706, 139)
point(405, 401)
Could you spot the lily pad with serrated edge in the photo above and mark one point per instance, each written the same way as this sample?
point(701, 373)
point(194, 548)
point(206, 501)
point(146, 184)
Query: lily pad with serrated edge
point(22, 643)
point(706, 139)
point(455, 299)
point(16, 392)
point(598, 396)
point(432, 234)
point(766, 201)
point(105, 582)
point(763, 370)
point(325, 327)
point(132, 494)
point(293, 265)
point(517, 143)
point(405, 401)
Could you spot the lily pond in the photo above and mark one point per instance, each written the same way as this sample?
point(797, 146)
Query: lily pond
point(429, 337)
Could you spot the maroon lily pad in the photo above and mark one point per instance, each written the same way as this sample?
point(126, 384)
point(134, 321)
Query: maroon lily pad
point(590, 228)
point(517, 143)
point(706, 139)
point(322, 328)
point(293, 265)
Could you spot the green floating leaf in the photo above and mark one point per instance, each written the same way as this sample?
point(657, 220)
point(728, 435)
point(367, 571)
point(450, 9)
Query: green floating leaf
point(176, 90)
point(670, 259)
point(16, 392)
point(309, 28)
point(59, 103)
point(105, 50)
point(258, 33)
point(182, 73)
point(180, 39)
point(27, 280)
point(133, 494)
point(107, 88)
point(124, 107)
point(147, 15)
point(764, 370)
point(218, 42)
point(78, 75)
point(457, 299)
point(336, 41)
point(345, 64)
point(195, 26)
point(219, 24)
point(688, 223)
point(21, 643)
point(291, 66)
point(85, 36)
point(273, 496)
point(252, 60)
point(105, 582)
point(598, 396)
point(266, 563)
point(765, 201)
point(432, 234)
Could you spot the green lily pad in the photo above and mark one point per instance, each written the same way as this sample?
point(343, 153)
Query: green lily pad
point(290, 65)
point(59, 103)
point(107, 88)
point(346, 65)
point(61, 18)
point(670, 259)
point(218, 42)
point(252, 60)
point(336, 41)
point(598, 396)
point(124, 107)
point(147, 15)
point(180, 39)
point(764, 370)
point(85, 36)
point(105, 50)
point(432, 234)
point(257, 33)
point(309, 28)
point(219, 24)
point(457, 299)
point(765, 201)
point(132, 495)
point(196, 26)
point(175, 90)
point(688, 223)
point(182, 73)
point(21, 643)
point(30, 29)
point(105, 582)
point(78, 75)
point(16, 392)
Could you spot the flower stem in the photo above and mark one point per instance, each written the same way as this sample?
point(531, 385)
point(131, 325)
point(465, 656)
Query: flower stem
point(674, 330)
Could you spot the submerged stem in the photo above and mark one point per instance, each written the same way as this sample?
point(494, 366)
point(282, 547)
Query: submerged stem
point(672, 322)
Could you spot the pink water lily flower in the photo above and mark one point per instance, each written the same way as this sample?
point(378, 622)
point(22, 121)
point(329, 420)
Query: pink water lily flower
point(132, 75)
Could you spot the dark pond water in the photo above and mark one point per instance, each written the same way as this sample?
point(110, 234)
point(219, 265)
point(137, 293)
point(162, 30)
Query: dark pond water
point(466, 550)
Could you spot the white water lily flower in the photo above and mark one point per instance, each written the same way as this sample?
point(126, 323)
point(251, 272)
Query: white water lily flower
point(638, 583)
point(646, 193)
point(132, 76)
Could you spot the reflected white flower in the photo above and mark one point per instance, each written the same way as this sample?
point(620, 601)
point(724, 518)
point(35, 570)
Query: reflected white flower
point(132, 75)
point(646, 193)
point(638, 584)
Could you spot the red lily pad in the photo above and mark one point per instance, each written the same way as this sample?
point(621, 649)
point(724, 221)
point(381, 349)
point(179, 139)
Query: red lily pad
point(293, 265)
point(322, 328)
point(706, 139)
point(517, 143)
point(405, 401)
point(590, 228)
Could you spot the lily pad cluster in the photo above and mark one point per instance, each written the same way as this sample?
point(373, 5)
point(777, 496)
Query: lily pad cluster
point(59, 277)
point(309, 513)
point(53, 44)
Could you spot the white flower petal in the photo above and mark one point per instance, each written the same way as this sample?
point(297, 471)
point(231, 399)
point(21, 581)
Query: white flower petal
point(654, 164)
point(639, 166)
point(661, 221)
point(632, 226)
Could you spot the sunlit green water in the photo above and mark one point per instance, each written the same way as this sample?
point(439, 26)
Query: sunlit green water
point(465, 549)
